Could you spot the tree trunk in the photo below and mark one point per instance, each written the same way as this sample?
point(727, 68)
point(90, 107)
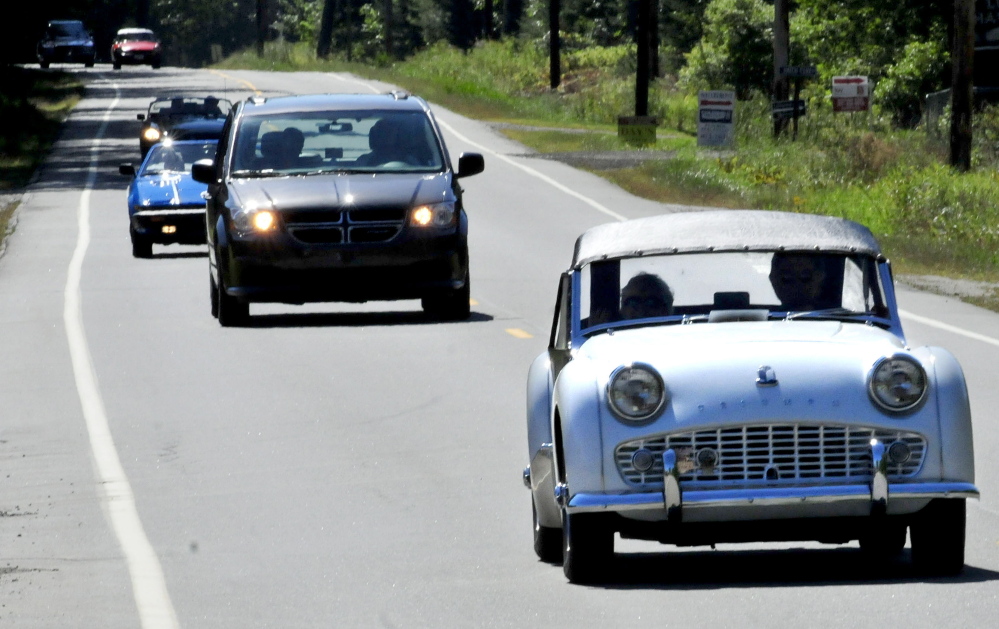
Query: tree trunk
point(325, 42)
point(962, 90)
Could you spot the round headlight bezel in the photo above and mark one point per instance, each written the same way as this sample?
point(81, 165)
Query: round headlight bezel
point(891, 364)
point(652, 411)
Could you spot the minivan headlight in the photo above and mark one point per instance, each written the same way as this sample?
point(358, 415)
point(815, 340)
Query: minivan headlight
point(636, 392)
point(433, 215)
point(897, 383)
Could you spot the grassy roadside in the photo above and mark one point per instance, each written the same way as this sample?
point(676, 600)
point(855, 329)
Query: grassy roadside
point(33, 105)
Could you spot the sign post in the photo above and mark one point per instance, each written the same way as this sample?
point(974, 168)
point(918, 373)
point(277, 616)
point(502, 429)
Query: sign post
point(797, 73)
point(716, 119)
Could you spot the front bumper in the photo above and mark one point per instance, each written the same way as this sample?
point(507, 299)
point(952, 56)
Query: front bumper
point(67, 54)
point(173, 225)
point(674, 504)
point(136, 57)
point(280, 268)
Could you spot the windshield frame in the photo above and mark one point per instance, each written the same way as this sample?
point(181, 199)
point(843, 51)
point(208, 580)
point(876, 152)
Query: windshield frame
point(884, 313)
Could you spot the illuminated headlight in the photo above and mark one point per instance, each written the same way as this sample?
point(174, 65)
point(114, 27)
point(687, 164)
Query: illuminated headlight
point(636, 393)
point(254, 219)
point(433, 215)
point(151, 134)
point(897, 383)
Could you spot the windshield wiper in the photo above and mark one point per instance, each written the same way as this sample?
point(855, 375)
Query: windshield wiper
point(239, 174)
point(828, 313)
point(336, 171)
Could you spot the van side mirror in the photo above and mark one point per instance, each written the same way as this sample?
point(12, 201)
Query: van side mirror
point(470, 164)
point(203, 171)
point(127, 169)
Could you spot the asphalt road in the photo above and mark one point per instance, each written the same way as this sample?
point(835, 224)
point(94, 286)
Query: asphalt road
point(354, 466)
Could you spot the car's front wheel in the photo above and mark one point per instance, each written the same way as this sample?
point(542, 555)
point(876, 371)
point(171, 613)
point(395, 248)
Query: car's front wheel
point(547, 540)
point(231, 312)
point(141, 247)
point(587, 547)
point(213, 295)
point(937, 534)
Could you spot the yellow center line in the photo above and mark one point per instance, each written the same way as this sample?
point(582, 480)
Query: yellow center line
point(518, 333)
point(249, 85)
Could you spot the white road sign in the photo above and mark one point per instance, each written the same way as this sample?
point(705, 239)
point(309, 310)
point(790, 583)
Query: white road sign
point(716, 118)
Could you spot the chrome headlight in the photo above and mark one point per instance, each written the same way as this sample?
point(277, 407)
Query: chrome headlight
point(897, 383)
point(636, 392)
point(433, 215)
point(151, 134)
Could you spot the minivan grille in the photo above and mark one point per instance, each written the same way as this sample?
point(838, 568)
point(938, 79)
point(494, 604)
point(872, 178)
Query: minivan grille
point(334, 226)
point(772, 452)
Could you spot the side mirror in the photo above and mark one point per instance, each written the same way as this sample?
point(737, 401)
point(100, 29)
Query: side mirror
point(470, 164)
point(140, 117)
point(127, 169)
point(203, 171)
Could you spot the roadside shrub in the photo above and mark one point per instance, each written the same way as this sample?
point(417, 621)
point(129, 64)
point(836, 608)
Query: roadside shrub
point(906, 83)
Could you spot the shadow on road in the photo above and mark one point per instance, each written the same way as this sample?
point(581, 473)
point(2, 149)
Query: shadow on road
point(713, 570)
point(353, 319)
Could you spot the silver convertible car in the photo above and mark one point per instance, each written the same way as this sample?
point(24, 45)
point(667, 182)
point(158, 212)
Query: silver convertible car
point(742, 376)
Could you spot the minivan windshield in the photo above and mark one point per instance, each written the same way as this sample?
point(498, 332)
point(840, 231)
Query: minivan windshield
point(367, 141)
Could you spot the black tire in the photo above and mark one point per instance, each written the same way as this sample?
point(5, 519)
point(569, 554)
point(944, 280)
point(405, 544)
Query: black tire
point(141, 248)
point(43, 64)
point(231, 311)
point(213, 296)
point(587, 548)
point(453, 305)
point(938, 533)
point(88, 64)
point(884, 541)
point(116, 66)
point(547, 540)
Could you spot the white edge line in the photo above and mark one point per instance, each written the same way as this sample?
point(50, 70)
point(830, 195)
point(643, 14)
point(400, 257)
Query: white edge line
point(152, 599)
point(924, 320)
point(933, 323)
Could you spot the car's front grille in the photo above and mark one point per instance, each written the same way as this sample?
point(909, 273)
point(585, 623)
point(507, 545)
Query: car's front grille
point(771, 453)
point(334, 226)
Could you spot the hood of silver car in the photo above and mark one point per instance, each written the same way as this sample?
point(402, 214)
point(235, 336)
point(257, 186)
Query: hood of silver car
point(354, 190)
point(801, 368)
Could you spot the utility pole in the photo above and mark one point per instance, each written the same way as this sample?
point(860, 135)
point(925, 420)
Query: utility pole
point(962, 88)
point(554, 43)
point(644, 49)
point(782, 46)
point(261, 26)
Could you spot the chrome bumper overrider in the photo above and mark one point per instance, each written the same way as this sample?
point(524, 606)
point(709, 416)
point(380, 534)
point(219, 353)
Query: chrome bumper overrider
point(675, 500)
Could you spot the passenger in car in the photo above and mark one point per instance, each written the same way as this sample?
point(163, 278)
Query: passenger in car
point(395, 140)
point(644, 296)
point(281, 149)
point(799, 281)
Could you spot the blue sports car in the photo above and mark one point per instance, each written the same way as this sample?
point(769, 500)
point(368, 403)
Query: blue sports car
point(165, 205)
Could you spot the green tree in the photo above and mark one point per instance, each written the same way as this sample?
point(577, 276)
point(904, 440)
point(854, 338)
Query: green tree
point(736, 50)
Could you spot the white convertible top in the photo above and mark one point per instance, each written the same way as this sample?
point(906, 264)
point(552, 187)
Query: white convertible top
point(723, 230)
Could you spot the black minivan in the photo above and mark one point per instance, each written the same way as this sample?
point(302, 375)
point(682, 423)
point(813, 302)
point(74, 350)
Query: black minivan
point(336, 197)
